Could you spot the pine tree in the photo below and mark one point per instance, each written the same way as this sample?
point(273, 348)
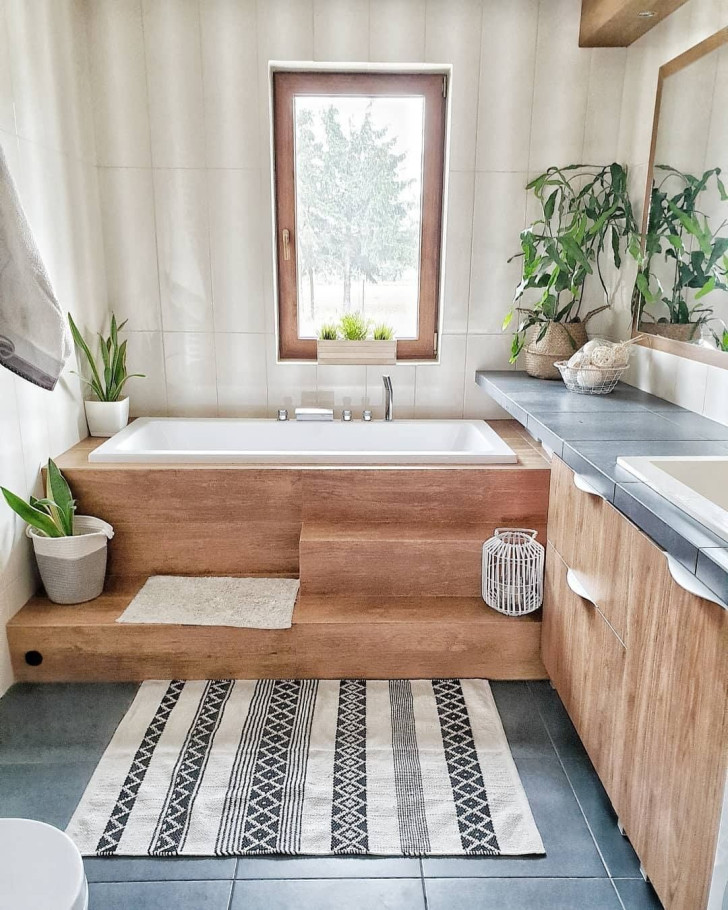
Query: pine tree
point(354, 221)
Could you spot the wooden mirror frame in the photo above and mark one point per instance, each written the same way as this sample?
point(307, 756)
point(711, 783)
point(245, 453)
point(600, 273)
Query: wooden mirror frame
point(698, 352)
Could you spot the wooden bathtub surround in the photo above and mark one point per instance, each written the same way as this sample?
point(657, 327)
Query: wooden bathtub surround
point(331, 637)
point(388, 556)
point(643, 673)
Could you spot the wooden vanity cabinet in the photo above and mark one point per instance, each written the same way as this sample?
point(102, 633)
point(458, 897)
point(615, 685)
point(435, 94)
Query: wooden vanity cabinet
point(589, 534)
point(674, 767)
point(586, 662)
point(649, 704)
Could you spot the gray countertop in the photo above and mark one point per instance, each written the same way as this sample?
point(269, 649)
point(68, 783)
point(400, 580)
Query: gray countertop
point(590, 432)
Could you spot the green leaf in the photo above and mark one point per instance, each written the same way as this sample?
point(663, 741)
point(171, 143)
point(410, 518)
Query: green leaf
point(549, 205)
point(644, 288)
point(34, 517)
point(59, 492)
point(706, 288)
point(80, 343)
point(576, 252)
point(507, 319)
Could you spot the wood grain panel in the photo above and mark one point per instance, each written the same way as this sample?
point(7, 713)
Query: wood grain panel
point(195, 522)
point(389, 559)
point(675, 764)
point(617, 23)
point(590, 535)
point(452, 637)
point(495, 495)
point(586, 662)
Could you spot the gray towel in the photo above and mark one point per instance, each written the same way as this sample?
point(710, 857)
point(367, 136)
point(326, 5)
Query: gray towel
point(34, 339)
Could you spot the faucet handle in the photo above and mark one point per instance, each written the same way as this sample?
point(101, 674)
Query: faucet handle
point(346, 415)
point(366, 415)
point(282, 414)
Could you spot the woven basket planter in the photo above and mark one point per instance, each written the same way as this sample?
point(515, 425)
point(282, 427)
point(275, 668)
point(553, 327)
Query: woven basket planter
point(689, 331)
point(561, 340)
point(73, 569)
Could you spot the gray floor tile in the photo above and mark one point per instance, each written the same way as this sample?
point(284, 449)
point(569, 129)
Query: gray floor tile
point(617, 851)
point(570, 849)
point(60, 721)
point(521, 894)
point(350, 894)
point(47, 792)
point(277, 867)
point(522, 722)
point(159, 896)
point(637, 895)
point(558, 723)
point(158, 868)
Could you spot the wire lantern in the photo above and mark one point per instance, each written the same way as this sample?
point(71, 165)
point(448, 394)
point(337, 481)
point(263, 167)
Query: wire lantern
point(513, 571)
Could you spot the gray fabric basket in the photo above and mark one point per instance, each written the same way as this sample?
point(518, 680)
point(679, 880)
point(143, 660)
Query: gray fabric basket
point(74, 581)
point(73, 569)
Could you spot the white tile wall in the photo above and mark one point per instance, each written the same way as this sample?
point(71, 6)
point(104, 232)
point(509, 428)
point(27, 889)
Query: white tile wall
point(183, 249)
point(119, 75)
point(47, 134)
point(174, 82)
point(230, 82)
point(130, 244)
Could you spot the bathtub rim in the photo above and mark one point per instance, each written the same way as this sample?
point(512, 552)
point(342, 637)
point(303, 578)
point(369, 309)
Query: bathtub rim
point(503, 454)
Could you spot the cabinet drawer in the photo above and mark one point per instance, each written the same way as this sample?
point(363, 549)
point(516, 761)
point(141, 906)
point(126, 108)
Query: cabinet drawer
point(592, 537)
point(586, 662)
point(675, 761)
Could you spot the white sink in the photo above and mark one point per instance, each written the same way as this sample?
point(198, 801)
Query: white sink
point(697, 485)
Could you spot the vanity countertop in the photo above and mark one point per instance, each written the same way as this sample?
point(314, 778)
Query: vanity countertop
point(589, 432)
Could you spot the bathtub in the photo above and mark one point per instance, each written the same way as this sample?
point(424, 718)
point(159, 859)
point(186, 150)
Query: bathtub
point(226, 441)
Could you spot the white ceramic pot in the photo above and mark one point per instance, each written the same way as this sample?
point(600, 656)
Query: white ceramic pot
point(105, 418)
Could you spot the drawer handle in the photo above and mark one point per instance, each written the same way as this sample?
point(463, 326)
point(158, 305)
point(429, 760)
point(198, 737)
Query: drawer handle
point(686, 580)
point(577, 587)
point(581, 483)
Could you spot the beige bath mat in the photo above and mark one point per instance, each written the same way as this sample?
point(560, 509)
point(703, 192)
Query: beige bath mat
point(252, 603)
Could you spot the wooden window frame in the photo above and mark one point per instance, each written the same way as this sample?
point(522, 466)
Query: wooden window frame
point(430, 85)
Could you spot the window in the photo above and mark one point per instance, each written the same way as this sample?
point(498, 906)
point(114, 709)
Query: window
point(359, 161)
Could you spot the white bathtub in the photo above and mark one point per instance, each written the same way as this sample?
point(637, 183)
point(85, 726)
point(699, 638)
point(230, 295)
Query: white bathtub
point(218, 440)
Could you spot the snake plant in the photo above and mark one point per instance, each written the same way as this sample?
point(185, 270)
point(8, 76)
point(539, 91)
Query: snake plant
point(52, 515)
point(108, 381)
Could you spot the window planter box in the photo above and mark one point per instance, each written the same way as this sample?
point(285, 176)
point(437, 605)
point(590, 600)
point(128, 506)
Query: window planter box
point(361, 352)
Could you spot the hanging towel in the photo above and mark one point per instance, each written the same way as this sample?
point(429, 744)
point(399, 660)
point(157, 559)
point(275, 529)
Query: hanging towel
point(34, 339)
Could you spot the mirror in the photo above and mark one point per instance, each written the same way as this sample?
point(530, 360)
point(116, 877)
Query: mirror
point(681, 300)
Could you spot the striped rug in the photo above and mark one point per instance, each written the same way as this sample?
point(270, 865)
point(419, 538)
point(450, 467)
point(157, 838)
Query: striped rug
point(235, 767)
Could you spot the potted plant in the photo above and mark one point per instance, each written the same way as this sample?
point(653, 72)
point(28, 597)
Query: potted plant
point(585, 215)
point(349, 342)
point(679, 235)
point(70, 549)
point(109, 411)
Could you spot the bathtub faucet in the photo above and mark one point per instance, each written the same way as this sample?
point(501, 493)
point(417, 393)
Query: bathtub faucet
point(388, 398)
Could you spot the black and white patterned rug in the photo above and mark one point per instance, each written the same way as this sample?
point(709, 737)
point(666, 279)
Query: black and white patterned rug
point(310, 767)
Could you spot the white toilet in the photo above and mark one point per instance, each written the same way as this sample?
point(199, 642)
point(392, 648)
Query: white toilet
point(40, 868)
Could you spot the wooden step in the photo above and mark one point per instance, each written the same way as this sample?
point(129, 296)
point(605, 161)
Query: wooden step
point(331, 637)
point(392, 559)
